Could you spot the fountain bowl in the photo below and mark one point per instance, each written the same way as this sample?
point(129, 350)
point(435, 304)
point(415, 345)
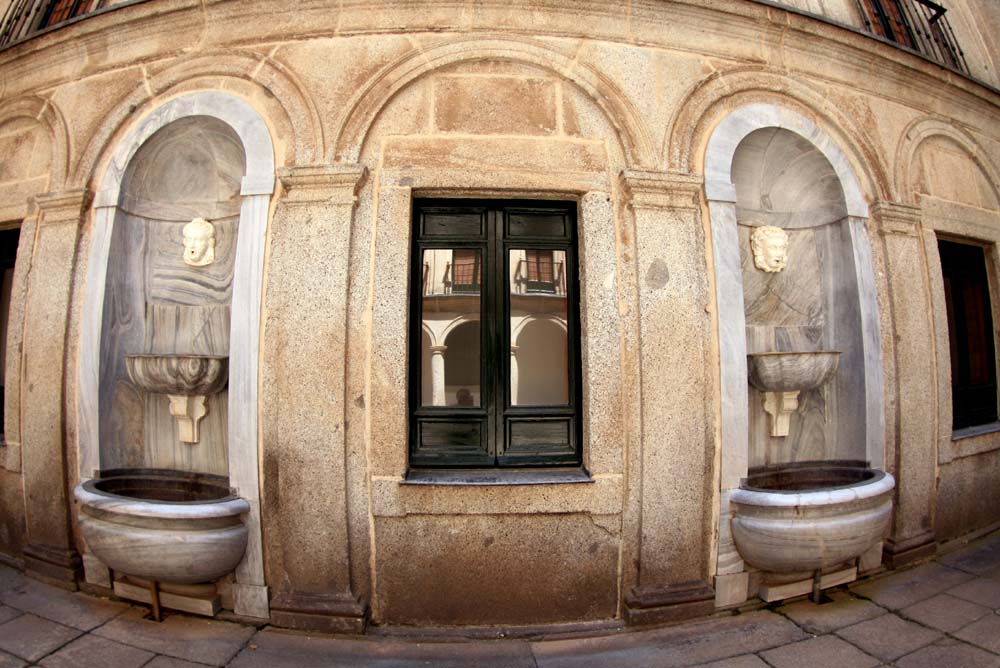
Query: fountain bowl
point(809, 516)
point(183, 375)
point(166, 526)
point(791, 371)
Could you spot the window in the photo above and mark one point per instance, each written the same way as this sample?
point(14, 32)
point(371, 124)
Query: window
point(970, 334)
point(920, 25)
point(495, 335)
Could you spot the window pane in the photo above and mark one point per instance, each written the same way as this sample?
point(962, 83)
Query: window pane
point(450, 338)
point(539, 371)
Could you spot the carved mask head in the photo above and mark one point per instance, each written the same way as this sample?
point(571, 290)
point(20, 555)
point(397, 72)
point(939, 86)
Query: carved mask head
point(770, 248)
point(199, 243)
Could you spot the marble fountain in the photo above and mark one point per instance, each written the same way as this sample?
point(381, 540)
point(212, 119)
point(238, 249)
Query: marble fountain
point(158, 515)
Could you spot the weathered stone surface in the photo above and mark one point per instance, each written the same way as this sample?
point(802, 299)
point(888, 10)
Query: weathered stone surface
point(274, 649)
point(984, 591)
point(984, 633)
point(170, 662)
point(8, 661)
point(821, 652)
point(844, 611)
point(79, 611)
point(888, 637)
point(745, 661)
point(945, 612)
point(980, 558)
point(906, 588)
point(91, 651)
point(8, 613)
point(676, 646)
point(191, 639)
point(31, 637)
point(949, 653)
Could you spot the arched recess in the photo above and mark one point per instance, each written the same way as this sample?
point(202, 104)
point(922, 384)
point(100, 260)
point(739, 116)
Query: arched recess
point(362, 110)
point(33, 163)
point(711, 100)
point(290, 114)
point(926, 128)
point(754, 126)
point(256, 190)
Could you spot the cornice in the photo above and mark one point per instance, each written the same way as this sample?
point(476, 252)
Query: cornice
point(661, 190)
point(310, 184)
point(62, 207)
point(894, 218)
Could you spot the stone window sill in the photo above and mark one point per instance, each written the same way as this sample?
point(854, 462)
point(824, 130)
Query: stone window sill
point(977, 430)
point(490, 477)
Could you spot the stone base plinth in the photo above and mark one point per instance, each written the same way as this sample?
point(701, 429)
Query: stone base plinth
point(316, 612)
point(57, 567)
point(669, 603)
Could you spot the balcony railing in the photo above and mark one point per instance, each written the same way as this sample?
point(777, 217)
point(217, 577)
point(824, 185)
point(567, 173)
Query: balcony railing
point(920, 25)
point(23, 18)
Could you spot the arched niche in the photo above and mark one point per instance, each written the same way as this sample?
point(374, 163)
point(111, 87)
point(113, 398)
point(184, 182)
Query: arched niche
point(201, 151)
point(766, 165)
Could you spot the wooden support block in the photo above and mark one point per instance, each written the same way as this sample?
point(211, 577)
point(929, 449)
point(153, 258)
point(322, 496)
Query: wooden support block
point(788, 590)
point(207, 605)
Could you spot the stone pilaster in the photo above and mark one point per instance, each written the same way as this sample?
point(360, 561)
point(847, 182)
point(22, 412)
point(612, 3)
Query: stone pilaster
point(49, 553)
point(675, 386)
point(305, 329)
point(914, 454)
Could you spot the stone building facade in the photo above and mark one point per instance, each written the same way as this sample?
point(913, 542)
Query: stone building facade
point(307, 131)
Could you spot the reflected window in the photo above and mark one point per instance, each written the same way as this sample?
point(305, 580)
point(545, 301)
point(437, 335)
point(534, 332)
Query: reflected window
point(970, 333)
point(495, 352)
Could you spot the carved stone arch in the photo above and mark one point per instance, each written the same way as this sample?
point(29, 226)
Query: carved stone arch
point(265, 84)
point(361, 110)
point(463, 319)
point(532, 319)
point(47, 115)
point(714, 98)
point(925, 128)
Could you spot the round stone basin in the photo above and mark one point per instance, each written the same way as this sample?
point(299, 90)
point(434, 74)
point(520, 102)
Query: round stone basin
point(812, 515)
point(183, 375)
point(791, 371)
point(163, 525)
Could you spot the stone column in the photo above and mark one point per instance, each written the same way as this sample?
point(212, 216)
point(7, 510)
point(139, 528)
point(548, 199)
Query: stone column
point(912, 458)
point(437, 376)
point(303, 362)
point(676, 363)
point(49, 553)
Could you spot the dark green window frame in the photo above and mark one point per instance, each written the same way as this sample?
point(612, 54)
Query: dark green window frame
point(495, 434)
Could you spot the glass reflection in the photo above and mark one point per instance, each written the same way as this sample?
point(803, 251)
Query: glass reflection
point(450, 338)
point(539, 356)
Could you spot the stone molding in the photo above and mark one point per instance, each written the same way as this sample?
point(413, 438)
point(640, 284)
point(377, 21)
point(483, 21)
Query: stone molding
point(896, 219)
point(314, 184)
point(62, 207)
point(661, 190)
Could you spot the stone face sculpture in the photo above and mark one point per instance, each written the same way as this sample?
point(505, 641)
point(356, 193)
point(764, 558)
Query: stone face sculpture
point(199, 243)
point(770, 248)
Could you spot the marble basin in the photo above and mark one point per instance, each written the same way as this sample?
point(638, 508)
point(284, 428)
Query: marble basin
point(788, 372)
point(163, 525)
point(810, 516)
point(182, 375)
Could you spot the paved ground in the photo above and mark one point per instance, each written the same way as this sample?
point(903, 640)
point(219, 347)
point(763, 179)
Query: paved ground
point(941, 614)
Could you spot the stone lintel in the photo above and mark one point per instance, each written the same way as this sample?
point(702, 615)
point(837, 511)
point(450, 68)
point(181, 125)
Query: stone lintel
point(62, 207)
point(661, 190)
point(309, 184)
point(669, 603)
point(900, 553)
point(55, 566)
point(331, 613)
point(896, 218)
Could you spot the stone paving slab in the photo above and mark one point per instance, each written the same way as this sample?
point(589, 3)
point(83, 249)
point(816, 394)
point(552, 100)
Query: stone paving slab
point(984, 591)
point(170, 662)
point(8, 661)
point(745, 661)
point(690, 644)
point(980, 557)
point(985, 633)
point(182, 637)
point(945, 612)
point(277, 649)
point(888, 637)
point(843, 610)
point(819, 652)
point(8, 613)
point(911, 586)
point(30, 637)
point(80, 611)
point(949, 654)
point(90, 651)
